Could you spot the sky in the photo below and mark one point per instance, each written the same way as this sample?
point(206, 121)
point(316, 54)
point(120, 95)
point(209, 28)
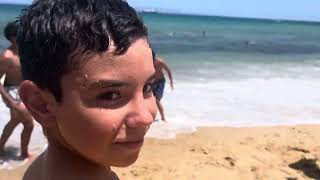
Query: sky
point(271, 9)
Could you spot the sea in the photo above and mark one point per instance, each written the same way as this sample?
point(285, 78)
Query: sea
point(235, 72)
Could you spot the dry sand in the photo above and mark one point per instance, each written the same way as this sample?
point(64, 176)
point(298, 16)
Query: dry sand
point(226, 153)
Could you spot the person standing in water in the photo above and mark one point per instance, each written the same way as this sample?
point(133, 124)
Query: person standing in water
point(160, 65)
point(11, 69)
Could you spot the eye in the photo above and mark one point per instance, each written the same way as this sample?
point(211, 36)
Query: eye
point(110, 96)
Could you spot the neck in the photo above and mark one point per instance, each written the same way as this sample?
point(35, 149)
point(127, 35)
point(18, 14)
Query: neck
point(14, 48)
point(67, 164)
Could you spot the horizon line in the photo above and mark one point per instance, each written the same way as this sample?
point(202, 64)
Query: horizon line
point(235, 17)
point(176, 12)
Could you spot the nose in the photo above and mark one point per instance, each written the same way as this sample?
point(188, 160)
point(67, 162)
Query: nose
point(140, 113)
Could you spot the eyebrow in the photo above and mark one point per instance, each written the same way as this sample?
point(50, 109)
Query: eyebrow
point(106, 83)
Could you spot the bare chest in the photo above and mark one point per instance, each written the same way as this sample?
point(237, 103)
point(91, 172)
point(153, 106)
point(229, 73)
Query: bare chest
point(13, 71)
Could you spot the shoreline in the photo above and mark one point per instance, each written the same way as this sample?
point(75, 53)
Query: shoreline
point(277, 152)
point(167, 127)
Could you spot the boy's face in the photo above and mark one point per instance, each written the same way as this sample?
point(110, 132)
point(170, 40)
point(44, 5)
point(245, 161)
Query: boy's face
point(108, 105)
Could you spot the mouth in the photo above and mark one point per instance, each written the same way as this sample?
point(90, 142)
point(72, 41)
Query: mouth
point(136, 144)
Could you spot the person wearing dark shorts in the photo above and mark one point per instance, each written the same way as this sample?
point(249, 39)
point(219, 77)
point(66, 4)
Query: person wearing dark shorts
point(160, 82)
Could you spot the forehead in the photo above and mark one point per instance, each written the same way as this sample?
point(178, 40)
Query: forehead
point(137, 61)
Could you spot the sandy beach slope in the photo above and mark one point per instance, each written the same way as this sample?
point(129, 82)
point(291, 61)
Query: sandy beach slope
point(232, 153)
point(280, 152)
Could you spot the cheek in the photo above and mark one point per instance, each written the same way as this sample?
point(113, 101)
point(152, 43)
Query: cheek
point(94, 124)
point(90, 131)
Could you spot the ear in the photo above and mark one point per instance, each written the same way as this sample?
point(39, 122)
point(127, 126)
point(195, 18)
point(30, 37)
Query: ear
point(39, 102)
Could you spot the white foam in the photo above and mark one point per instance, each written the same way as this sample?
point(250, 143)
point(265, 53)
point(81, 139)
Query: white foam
point(248, 102)
point(239, 103)
point(163, 130)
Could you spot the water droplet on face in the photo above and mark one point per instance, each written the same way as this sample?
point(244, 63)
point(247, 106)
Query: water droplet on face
point(83, 81)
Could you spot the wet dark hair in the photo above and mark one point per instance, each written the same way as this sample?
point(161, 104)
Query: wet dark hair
point(10, 31)
point(55, 35)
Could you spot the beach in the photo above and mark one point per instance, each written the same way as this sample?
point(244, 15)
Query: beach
point(280, 152)
point(243, 73)
point(242, 89)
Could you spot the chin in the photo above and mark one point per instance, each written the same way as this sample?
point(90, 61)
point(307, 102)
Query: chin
point(126, 161)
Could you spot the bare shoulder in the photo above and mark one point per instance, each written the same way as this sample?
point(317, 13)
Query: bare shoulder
point(6, 56)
